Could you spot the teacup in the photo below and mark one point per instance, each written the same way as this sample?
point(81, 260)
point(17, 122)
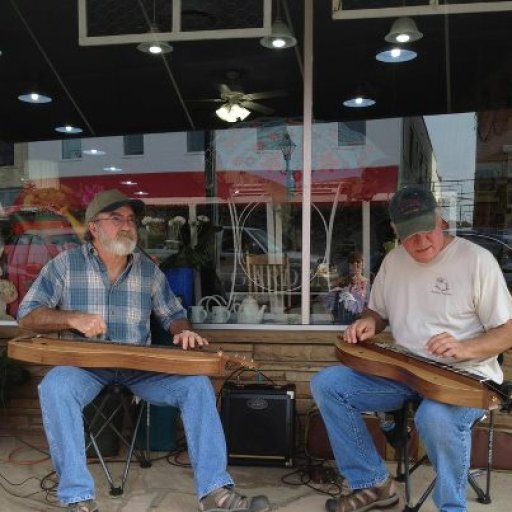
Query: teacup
point(198, 314)
point(219, 314)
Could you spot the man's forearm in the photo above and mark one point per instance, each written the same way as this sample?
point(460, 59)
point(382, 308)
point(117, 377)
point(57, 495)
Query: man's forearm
point(380, 323)
point(491, 343)
point(46, 320)
point(179, 325)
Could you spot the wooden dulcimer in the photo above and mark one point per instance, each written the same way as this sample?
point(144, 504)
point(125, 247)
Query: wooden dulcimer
point(431, 379)
point(98, 354)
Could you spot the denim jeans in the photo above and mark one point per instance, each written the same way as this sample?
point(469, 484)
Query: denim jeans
point(65, 391)
point(343, 394)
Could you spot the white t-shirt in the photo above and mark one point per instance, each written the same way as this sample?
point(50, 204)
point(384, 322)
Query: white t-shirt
point(462, 292)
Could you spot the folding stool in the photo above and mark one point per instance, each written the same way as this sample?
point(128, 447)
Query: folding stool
point(399, 439)
point(119, 397)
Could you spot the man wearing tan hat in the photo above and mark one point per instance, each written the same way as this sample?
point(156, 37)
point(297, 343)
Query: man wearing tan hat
point(445, 299)
point(107, 289)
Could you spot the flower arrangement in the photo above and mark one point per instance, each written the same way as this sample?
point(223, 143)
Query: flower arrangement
point(153, 224)
point(181, 231)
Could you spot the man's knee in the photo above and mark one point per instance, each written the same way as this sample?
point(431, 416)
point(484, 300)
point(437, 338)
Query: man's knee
point(326, 379)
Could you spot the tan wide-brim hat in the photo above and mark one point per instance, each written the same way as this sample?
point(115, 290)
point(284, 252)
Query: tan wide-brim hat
point(109, 200)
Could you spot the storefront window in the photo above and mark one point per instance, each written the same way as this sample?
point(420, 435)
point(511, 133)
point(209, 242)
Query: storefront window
point(237, 221)
point(227, 198)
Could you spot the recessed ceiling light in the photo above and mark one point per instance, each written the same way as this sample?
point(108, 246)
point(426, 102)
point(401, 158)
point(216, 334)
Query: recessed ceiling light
point(68, 129)
point(129, 183)
point(34, 97)
point(396, 55)
point(93, 152)
point(112, 168)
point(359, 102)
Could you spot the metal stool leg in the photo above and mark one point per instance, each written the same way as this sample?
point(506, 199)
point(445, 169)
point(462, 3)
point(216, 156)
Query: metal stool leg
point(116, 392)
point(404, 470)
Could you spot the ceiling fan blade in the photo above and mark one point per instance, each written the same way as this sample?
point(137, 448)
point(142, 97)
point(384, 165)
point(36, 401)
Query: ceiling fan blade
point(257, 107)
point(208, 100)
point(224, 89)
point(264, 95)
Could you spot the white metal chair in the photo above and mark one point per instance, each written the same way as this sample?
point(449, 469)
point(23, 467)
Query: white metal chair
point(269, 280)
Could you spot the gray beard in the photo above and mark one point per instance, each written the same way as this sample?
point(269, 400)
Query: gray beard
point(120, 246)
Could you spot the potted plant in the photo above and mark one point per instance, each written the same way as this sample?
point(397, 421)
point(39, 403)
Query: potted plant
point(189, 254)
point(180, 267)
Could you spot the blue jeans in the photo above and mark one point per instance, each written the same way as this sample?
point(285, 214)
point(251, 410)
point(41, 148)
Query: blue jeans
point(343, 394)
point(65, 391)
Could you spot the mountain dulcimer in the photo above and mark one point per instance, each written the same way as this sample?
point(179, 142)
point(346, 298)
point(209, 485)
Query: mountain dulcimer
point(99, 354)
point(431, 379)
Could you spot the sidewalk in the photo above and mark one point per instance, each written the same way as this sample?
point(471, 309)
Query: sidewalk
point(169, 488)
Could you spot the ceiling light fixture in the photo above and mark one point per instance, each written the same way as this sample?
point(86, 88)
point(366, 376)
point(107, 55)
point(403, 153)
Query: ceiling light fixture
point(232, 112)
point(68, 129)
point(403, 30)
point(281, 36)
point(396, 55)
point(34, 97)
point(154, 47)
point(359, 101)
point(112, 168)
point(93, 152)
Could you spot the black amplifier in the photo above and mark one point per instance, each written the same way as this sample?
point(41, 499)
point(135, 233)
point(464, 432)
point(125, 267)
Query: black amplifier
point(259, 423)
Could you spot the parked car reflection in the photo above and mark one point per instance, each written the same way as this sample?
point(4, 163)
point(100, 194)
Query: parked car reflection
point(28, 252)
point(500, 249)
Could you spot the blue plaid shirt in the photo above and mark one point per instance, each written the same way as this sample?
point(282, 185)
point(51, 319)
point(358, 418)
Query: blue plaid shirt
point(77, 280)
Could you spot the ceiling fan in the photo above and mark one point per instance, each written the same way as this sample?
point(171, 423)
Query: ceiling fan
point(236, 104)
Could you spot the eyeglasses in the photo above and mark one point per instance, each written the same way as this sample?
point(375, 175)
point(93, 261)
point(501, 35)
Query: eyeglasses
point(119, 221)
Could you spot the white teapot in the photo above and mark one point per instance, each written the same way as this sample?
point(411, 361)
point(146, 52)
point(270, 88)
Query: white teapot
point(250, 311)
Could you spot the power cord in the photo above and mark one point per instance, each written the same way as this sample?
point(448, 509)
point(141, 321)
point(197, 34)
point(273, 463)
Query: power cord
point(317, 474)
point(47, 489)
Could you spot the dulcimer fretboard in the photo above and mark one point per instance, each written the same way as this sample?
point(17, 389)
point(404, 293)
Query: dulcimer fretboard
point(431, 379)
point(89, 354)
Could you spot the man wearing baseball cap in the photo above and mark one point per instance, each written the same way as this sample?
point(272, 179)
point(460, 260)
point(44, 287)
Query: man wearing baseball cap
point(444, 298)
point(107, 289)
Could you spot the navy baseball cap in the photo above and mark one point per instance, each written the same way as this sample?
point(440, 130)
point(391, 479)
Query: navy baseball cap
point(413, 210)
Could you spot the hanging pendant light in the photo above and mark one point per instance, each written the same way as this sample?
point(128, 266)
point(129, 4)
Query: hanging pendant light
point(154, 47)
point(395, 55)
point(281, 36)
point(403, 30)
point(68, 129)
point(34, 97)
point(359, 101)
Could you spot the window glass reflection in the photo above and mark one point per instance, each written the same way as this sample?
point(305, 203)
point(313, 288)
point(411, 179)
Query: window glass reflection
point(233, 212)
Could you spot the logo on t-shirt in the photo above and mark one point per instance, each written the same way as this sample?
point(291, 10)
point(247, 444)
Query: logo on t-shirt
point(441, 286)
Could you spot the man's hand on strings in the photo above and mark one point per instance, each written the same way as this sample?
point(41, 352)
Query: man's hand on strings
point(360, 330)
point(189, 340)
point(445, 345)
point(89, 324)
